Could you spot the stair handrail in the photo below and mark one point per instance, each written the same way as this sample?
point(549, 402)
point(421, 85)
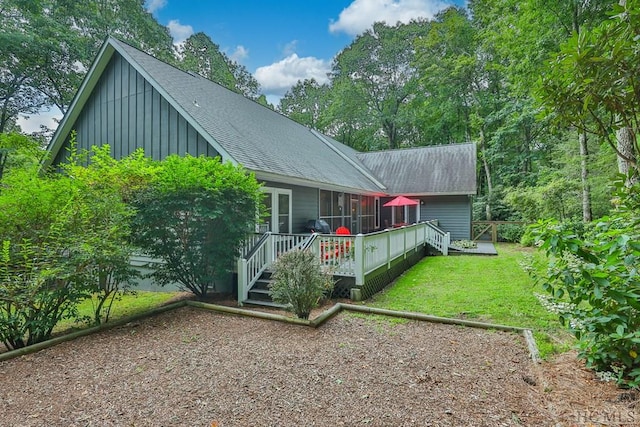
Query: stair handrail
point(250, 268)
point(441, 240)
point(257, 245)
point(307, 243)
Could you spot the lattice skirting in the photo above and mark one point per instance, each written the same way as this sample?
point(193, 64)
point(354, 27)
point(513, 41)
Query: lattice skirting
point(342, 288)
point(378, 279)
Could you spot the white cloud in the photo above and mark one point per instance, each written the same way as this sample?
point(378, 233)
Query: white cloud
point(361, 14)
point(290, 48)
point(277, 78)
point(239, 54)
point(48, 118)
point(153, 5)
point(178, 31)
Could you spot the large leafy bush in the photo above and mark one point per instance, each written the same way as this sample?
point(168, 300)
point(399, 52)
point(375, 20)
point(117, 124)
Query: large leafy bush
point(194, 216)
point(594, 283)
point(64, 238)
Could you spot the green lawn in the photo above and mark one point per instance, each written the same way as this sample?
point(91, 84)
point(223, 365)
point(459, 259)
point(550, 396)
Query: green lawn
point(129, 305)
point(492, 289)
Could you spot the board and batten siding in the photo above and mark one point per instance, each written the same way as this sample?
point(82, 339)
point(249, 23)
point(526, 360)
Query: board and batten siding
point(452, 212)
point(305, 204)
point(126, 112)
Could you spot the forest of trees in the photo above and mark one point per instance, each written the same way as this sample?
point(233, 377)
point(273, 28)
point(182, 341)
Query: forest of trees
point(489, 75)
point(501, 73)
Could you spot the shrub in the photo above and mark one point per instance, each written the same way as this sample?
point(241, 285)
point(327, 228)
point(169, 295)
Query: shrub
point(64, 238)
point(595, 280)
point(194, 217)
point(39, 286)
point(529, 236)
point(299, 282)
point(510, 232)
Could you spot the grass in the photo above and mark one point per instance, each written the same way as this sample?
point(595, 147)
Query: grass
point(493, 289)
point(128, 305)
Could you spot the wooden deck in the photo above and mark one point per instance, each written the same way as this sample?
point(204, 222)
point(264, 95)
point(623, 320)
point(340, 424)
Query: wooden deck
point(367, 262)
point(483, 248)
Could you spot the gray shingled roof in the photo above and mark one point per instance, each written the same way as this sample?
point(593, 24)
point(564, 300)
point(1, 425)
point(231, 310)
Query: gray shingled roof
point(257, 137)
point(440, 169)
point(277, 148)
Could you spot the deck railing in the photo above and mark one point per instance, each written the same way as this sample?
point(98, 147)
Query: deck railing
point(267, 248)
point(437, 237)
point(351, 256)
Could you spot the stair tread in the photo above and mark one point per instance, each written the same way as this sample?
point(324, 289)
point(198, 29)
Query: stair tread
point(259, 291)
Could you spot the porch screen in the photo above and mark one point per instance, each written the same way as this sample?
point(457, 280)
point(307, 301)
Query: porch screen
point(332, 207)
point(353, 211)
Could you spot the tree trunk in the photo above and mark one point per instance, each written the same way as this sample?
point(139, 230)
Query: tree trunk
point(626, 150)
point(584, 176)
point(487, 173)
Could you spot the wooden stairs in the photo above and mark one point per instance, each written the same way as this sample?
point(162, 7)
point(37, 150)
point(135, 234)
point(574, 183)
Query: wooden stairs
point(259, 292)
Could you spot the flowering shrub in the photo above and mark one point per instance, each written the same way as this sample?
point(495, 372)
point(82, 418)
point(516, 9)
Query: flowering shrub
point(594, 284)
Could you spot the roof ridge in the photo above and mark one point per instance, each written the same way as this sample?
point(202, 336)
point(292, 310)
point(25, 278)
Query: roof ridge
point(361, 169)
point(422, 147)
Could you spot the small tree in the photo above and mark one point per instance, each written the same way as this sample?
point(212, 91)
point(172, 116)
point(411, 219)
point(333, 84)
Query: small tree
point(299, 282)
point(194, 217)
point(106, 185)
point(41, 267)
point(64, 239)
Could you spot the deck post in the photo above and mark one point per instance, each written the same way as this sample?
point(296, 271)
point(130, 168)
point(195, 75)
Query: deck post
point(243, 293)
point(445, 244)
point(270, 250)
point(404, 240)
point(359, 259)
point(388, 233)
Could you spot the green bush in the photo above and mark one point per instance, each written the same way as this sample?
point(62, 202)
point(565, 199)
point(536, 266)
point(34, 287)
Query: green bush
point(194, 216)
point(299, 282)
point(528, 237)
point(65, 237)
point(511, 233)
point(38, 287)
point(595, 286)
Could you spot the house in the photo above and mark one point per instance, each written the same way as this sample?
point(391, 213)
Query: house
point(131, 100)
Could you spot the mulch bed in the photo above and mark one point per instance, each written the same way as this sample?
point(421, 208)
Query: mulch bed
point(192, 367)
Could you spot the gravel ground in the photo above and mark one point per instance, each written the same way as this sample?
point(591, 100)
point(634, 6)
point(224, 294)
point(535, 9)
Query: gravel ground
point(192, 367)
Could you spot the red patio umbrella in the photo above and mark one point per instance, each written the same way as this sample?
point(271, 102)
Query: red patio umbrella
point(399, 201)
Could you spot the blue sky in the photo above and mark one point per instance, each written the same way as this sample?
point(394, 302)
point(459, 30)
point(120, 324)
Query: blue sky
point(283, 41)
point(278, 41)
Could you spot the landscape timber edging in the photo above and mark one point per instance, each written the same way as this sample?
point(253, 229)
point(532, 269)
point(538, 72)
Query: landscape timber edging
point(88, 331)
point(318, 321)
